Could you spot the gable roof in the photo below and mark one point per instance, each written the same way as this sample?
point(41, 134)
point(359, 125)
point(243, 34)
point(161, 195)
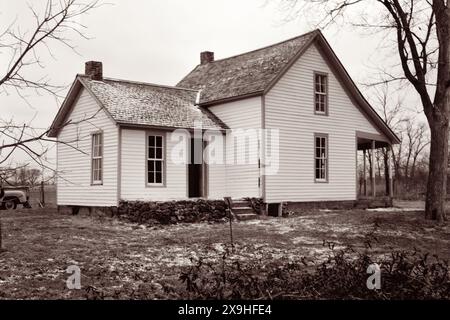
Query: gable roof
point(245, 74)
point(144, 104)
point(249, 74)
point(254, 73)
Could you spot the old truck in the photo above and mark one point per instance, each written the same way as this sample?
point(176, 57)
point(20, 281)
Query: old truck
point(11, 197)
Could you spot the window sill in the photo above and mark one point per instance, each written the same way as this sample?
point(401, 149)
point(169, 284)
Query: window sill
point(155, 185)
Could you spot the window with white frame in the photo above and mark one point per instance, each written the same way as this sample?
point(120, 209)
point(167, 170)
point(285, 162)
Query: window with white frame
point(97, 158)
point(155, 160)
point(321, 157)
point(320, 93)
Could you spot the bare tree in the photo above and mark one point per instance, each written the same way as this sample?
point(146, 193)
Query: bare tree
point(393, 113)
point(378, 158)
point(33, 175)
point(371, 167)
point(9, 176)
point(59, 18)
point(423, 142)
point(422, 32)
point(417, 141)
point(54, 24)
point(22, 176)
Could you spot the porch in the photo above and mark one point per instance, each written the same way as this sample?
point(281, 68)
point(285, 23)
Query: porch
point(374, 170)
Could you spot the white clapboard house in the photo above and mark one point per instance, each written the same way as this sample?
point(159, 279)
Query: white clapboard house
point(117, 142)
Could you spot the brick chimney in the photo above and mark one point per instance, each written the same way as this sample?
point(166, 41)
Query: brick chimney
point(94, 69)
point(206, 57)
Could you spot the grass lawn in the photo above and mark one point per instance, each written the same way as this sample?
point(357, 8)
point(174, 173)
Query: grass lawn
point(117, 258)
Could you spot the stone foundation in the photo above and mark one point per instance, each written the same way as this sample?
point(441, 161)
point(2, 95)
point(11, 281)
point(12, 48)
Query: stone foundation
point(381, 202)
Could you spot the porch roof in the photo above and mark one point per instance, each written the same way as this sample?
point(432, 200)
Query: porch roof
point(364, 140)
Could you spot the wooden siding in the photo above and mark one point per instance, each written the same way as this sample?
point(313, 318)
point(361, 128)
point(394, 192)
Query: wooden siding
point(217, 188)
point(134, 175)
point(241, 180)
point(289, 106)
point(74, 167)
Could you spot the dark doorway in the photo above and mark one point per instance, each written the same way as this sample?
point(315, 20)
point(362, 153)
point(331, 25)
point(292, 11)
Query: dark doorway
point(195, 169)
point(273, 209)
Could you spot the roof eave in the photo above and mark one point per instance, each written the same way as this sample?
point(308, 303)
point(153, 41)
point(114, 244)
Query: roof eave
point(355, 92)
point(285, 69)
point(124, 124)
point(231, 99)
point(64, 109)
point(347, 81)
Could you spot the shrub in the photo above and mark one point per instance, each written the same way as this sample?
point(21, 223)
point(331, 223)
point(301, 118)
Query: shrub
point(171, 212)
point(404, 275)
point(256, 204)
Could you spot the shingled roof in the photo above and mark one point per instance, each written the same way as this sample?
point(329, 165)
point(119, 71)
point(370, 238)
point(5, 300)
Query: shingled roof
point(244, 74)
point(255, 72)
point(151, 104)
point(136, 103)
point(248, 74)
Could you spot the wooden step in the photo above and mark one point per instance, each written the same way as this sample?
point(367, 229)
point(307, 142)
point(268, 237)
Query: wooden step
point(242, 210)
point(240, 203)
point(246, 216)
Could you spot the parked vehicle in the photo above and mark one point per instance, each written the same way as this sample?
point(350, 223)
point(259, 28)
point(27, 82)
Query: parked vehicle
point(10, 197)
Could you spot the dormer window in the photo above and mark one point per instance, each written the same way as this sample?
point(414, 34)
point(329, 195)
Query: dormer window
point(320, 93)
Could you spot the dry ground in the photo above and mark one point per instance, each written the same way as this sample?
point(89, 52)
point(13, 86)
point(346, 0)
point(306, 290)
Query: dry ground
point(117, 257)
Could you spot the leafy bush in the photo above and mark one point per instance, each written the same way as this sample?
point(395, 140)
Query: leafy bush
point(404, 275)
point(171, 212)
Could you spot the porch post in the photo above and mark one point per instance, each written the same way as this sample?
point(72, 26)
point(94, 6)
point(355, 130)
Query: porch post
point(364, 172)
point(390, 158)
point(372, 164)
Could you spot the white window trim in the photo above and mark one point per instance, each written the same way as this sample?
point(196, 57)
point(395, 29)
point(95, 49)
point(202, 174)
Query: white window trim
point(163, 160)
point(325, 94)
point(93, 157)
point(326, 158)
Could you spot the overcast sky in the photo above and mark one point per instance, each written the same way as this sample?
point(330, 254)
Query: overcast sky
point(160, 42)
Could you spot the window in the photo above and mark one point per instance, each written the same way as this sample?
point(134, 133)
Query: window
point(321, 157)
point(320, 93)
point(155, 160)
point(97, 158)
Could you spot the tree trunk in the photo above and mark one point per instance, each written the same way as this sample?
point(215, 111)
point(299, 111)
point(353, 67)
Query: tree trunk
point(386, 171)
point(371, 170)
point(437, 176)
point(413, 168)
point(408, 158)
